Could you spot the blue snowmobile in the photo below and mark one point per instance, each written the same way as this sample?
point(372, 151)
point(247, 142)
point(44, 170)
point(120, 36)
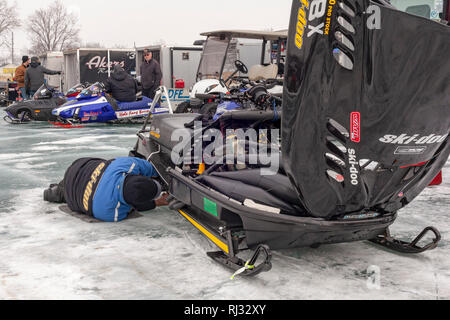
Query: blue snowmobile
point(92, 105)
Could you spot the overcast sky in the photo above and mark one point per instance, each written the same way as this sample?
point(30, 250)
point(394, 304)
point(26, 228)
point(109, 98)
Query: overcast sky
point(177, 22)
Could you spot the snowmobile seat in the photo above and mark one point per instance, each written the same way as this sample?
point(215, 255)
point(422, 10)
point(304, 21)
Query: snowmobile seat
point(278, 184)
point(164, 125)
point(274, 191)
point(142, 104)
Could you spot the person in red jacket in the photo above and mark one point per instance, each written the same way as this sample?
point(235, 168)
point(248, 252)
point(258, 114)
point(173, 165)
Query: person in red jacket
point(19, 76)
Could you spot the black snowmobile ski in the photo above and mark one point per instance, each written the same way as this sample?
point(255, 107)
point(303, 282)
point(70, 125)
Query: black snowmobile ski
point(229, 243)
point(386, 240)
point(22, 118)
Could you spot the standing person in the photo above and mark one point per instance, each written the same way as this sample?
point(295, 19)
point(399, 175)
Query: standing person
point(19, 76)
point(34, 77)
point(151, 75)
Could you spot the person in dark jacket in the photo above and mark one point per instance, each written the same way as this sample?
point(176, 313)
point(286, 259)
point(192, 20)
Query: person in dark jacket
point(151, 75)
point(121, 85)
point(108, 190)
point(34, 77)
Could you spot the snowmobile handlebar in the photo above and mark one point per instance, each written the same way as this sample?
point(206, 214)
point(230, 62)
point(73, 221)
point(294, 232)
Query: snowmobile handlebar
point(205, 96)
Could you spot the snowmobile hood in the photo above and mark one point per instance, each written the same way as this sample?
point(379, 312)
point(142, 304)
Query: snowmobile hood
point(366, 112)
point(67, 110)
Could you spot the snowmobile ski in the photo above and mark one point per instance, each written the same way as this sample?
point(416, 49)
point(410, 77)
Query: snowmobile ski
point(65, 125)
point(391, 243)
point(245, 268)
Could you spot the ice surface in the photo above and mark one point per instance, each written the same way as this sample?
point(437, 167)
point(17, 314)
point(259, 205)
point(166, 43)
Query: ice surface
point(46, 254)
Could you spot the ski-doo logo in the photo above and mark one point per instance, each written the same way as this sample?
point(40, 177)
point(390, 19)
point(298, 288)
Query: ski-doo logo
point(355, 125)
point(316, 9)
point(353, 162)
point(301, 24)
point(89, 188)
point(406, 139)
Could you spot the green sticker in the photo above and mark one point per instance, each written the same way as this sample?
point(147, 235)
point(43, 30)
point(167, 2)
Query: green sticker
point(210, 207)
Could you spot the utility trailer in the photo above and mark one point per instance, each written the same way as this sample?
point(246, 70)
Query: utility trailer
point(93, 65)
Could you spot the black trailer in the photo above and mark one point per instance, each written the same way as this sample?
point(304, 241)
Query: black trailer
point(94, 65)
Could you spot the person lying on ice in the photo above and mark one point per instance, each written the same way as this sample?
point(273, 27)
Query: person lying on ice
point(108, 190)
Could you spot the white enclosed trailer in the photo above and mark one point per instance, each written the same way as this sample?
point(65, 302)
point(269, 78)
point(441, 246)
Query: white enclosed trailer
point(53, 60)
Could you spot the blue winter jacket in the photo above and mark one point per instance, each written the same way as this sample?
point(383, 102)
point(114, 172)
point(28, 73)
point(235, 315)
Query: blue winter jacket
point(109, 204)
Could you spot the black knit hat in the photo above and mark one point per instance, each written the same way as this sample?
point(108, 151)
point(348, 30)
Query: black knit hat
point(25, 59)
point(141, 192)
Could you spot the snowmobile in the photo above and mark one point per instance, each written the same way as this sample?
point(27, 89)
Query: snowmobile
point(364, 129)
point(40, 108)
point(92, 105)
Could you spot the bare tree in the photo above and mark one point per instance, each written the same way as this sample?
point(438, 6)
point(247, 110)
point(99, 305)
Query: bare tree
point(8, 21)
point(52, 29)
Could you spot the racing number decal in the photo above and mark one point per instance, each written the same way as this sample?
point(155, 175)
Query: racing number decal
point(316, 9)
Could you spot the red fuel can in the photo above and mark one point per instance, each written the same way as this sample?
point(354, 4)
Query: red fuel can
point(179, 84)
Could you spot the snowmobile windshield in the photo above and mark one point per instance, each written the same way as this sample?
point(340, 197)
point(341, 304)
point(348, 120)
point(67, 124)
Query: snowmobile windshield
point(366, 112)
point(430, 9)
point(218, 58)
point(75, 90)
point(95, 90)
point(43, 93)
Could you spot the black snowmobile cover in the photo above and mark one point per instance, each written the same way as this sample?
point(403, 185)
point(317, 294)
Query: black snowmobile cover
point(366, 112)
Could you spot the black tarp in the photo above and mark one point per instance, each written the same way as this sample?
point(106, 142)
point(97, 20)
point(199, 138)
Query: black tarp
point(370, 135)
